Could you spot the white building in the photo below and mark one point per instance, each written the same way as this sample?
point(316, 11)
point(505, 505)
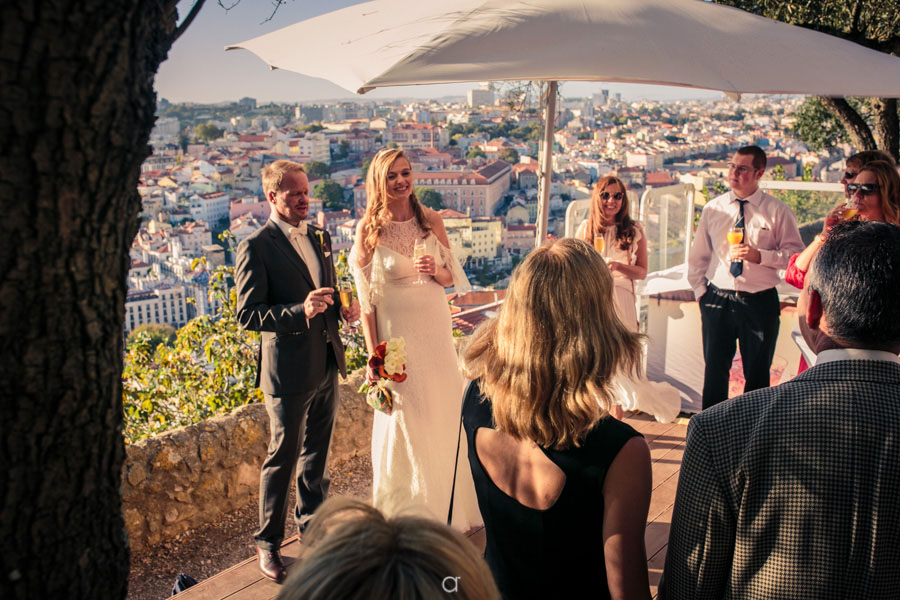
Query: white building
point(166, 305)
point(189, 239)
point(310, 147)
point(474, 240)
point(417, 135)
point(212, 207)
point(480, 97)
point(650, 161)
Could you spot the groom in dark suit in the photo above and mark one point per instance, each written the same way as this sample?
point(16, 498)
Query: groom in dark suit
point(285, 289)
point(792, 491)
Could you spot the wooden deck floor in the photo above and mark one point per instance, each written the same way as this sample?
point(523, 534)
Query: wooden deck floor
point(243, 581)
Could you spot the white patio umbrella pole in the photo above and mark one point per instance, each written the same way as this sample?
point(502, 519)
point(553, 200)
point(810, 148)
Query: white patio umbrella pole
point(546, 165)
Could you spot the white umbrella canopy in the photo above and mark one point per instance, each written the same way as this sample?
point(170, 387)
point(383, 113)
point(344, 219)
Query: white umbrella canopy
point(687, 43)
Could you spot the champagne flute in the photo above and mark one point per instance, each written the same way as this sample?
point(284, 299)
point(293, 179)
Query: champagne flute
point(735, 236)
point(599, 244)
point(345, 291)
point(419, 252)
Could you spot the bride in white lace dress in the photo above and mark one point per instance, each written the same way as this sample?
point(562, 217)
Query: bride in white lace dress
point(413, 448)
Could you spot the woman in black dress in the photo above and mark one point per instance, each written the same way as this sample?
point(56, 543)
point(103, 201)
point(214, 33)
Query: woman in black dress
point(564, 489)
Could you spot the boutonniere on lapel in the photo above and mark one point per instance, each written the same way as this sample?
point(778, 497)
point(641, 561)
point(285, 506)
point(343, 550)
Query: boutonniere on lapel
point(321, 235)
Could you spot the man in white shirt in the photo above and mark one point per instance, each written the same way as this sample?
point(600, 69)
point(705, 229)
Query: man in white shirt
point(735, 283)
point(791, 491)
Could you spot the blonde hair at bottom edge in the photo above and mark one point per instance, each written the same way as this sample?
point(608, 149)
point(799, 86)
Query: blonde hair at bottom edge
point(356, 553)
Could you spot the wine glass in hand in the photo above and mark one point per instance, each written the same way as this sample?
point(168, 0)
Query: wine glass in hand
point(419, 252)
point(345, 290)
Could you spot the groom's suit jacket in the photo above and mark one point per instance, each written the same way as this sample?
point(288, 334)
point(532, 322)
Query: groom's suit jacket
point(272, 283)
point(793, 491)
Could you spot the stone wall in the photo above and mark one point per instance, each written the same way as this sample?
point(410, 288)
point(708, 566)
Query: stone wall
point(190, 476)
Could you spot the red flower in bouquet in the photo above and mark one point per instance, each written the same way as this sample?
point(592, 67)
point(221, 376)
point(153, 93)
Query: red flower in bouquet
point(389, 362)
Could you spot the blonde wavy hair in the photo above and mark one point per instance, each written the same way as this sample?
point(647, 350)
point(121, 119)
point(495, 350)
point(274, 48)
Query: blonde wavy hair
point(547, 360)
point(355, 553)
point(378, 215)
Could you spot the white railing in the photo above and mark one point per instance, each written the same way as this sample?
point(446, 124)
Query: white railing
point(667, 214)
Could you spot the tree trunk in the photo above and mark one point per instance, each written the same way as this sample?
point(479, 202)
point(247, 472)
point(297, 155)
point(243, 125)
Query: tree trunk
point(887, 128)
point(860, 134)
point(75, 116)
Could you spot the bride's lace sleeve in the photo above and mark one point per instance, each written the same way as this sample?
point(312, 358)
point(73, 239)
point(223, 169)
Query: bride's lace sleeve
point(369, 280)
point(449, 260)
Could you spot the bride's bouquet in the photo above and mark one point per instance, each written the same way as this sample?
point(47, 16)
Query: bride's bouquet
point(389, 361)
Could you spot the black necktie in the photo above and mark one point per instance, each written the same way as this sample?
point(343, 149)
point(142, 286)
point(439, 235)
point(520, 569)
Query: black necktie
point(737, 266)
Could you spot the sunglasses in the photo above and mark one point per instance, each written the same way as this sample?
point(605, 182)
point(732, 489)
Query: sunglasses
point(866, 189)
point(850, 174)
point(616, 196)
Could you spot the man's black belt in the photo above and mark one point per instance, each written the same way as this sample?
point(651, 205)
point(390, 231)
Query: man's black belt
point(736, 293)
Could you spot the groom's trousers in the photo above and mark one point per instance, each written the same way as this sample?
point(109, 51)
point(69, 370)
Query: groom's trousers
point(301, 428)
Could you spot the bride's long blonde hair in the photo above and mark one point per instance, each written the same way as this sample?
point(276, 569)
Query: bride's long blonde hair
point(378, 215)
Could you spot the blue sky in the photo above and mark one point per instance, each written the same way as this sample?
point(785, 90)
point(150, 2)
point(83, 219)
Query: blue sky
point(199, 70)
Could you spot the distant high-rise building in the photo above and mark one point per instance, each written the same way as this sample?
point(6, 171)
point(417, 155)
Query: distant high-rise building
point(601, 98)
point(311, 113)
point(481, 97)
point(247, 103)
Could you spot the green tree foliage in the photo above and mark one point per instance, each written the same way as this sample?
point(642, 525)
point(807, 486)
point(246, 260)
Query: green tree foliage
point(430, 198)
point(331, 194)
point(312, 128)
point(157, 333)
point(508, 128)
point(509, 155)
point(317, 170)
point(355, 354)
point(819, 127)
point(365, 168)
point(871, 23)
point(475, 152)
point(207, 132)
point(807, 206)
point(210, 369)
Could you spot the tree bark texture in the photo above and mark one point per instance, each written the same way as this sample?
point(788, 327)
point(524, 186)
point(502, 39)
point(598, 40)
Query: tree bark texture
point(75, 116)
point(860, 134)
point(887, 126)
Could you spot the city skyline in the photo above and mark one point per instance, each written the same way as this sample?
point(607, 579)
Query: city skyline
point(200, 70)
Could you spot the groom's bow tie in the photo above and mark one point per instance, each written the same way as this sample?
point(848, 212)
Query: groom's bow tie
point(299, 230)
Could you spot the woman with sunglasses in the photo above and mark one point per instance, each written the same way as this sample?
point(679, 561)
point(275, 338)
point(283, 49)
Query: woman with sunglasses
point(624, 246)
point(799, 263)
point(872, 186)
point(620, 239)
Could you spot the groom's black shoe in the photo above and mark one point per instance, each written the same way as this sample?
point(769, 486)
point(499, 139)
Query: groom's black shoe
point(271, 565)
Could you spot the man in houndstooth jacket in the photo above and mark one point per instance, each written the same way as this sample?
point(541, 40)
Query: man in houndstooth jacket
point(794, 491)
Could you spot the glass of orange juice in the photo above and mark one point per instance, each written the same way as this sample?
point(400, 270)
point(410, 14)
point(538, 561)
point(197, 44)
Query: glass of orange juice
point(849, 210)
point(735, 235)
point(599, 244)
